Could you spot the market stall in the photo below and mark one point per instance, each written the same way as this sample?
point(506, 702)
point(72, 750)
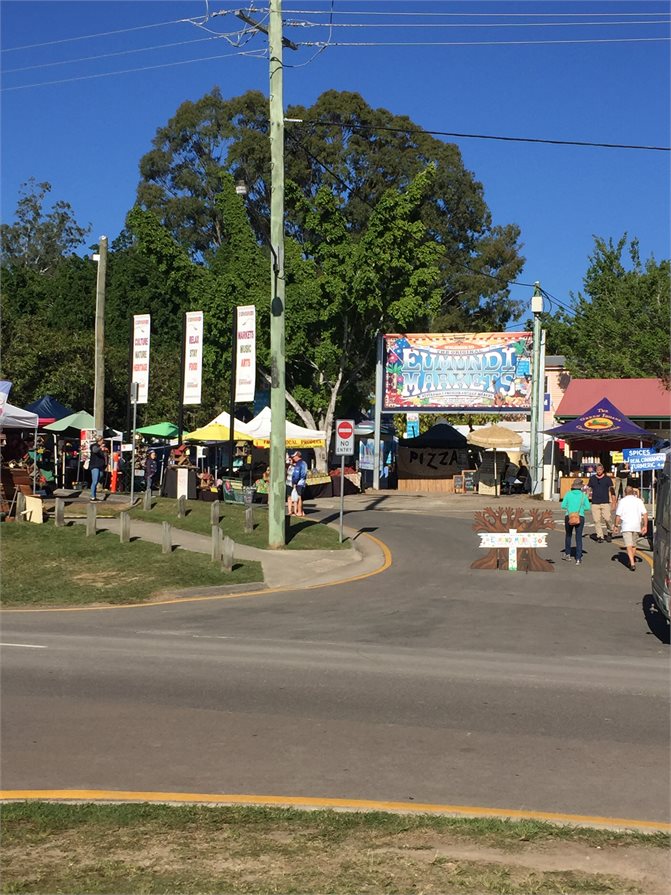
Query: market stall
point(431, 461)
point(594, 436)
point(497, 441)
point(18, 472)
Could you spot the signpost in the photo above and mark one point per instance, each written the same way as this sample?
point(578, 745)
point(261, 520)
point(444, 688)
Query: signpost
point(513, 539)
point(649, 461)
point(344, 447)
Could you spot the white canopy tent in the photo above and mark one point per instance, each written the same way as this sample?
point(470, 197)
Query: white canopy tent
point(12, 417)
point(296, 436)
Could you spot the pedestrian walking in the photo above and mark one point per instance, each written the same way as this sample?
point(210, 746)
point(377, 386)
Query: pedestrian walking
point(631, 517)
point(602, 495)
point(290, 487)
point(574, 504)
point(97, 465)
point(150, 470)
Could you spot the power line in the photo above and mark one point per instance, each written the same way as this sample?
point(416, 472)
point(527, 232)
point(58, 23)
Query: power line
point(63, 40)
point(402, 130)
point(253, 54)
point(178, 43)
point(489, 15)
point(297, 23)
point(488, 43)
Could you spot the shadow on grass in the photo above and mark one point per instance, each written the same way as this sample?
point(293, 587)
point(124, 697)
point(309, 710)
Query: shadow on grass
point(293, 530)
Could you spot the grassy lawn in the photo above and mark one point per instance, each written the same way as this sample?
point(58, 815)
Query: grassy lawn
point(60, 566)
point(196, 849)
point(304, 534)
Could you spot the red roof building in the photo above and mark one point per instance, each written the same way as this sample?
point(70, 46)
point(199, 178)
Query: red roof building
point(647, 401)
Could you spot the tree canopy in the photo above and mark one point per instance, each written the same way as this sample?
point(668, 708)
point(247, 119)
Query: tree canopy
point(358, 153)
point(619, 325)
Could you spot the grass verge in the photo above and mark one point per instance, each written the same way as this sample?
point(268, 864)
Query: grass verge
point(145, 848)
point(60, 566)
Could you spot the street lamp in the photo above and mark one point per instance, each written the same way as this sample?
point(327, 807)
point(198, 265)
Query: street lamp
point(537, 392)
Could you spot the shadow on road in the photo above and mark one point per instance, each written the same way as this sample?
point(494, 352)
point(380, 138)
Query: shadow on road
point(656, 622)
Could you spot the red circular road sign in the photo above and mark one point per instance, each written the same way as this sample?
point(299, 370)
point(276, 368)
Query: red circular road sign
point(345, 429)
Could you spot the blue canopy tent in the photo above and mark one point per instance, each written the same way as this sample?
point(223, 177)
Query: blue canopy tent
point(48, 409)
point(602, 426)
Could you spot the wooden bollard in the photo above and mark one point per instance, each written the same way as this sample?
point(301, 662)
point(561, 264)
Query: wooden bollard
point(124, 526)
point(214, 512)
point(59, 512)
point(227, 552)
point(216, 543)
point(91, 511)
point(20, 507)
point(167, 538)
point(146, 500)
point(249, 519)
point(181, 507)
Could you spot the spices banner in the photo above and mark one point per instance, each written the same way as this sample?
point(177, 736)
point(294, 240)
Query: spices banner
point(245, 363)
point(141, 338)
point(193, 362)
point(458, 371)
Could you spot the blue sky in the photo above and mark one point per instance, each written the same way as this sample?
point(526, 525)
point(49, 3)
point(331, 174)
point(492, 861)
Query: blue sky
point(86, 136)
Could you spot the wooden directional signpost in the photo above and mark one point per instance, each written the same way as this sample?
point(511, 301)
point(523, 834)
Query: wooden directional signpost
point(507, 530)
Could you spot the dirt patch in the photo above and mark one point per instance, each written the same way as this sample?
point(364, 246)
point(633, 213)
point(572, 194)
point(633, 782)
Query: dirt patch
point(104, 580)
point(280, 860)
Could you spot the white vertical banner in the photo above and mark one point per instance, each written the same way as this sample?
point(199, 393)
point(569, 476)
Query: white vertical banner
point(141, 338)
point(193, 362)
point(245, 356)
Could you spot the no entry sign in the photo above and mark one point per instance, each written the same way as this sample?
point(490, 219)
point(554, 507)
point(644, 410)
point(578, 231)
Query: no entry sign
point(344, 442)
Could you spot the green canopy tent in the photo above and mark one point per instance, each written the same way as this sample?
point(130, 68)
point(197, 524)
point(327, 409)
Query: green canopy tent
point(160, 430)
point(76, 421)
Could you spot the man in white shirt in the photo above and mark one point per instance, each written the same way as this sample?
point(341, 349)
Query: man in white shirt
point(631, 517)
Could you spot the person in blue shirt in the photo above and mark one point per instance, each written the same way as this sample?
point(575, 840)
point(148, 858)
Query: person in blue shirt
point(299, 480)
point(574, 504)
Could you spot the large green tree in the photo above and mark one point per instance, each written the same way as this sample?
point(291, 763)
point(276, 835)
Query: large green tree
point(39, 237)
point(358, 153)
point(619, 325)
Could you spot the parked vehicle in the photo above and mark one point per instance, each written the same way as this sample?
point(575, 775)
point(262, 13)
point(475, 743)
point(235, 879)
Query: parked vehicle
point(661, 573)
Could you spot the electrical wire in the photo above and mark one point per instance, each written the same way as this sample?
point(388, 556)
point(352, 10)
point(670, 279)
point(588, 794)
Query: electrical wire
point(178, 43)
point(297, 23)
point(470, 15)
point(488, 43)
point(63, 40)
point(402, 130)
point(321, 49)
point(252, 54)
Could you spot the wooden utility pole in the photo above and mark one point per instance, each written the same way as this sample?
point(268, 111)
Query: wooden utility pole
point(276, 501)
point(99, 378)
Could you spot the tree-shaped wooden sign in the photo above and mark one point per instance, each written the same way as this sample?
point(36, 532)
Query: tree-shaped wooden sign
point(513, 539)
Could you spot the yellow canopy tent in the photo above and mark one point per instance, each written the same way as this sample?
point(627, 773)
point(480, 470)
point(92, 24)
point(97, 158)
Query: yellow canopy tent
point(216, 432)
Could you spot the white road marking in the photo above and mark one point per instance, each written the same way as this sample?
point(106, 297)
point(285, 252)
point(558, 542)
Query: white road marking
point(25, 645)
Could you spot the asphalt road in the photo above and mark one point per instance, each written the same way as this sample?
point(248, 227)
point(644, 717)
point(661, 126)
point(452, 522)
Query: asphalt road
point(430, 682)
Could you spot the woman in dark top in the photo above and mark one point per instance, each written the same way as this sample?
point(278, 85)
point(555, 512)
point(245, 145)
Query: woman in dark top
point(97, 464)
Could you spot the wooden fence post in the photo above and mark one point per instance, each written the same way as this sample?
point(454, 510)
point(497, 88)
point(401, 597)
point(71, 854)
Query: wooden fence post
point(59, 512)
point(167, 537)
point(146, 500)
point(227, 554)
point(124, 526)
point(216, 543)
point(249, 519)
point(214, 512)
point(181, 507)
point(91, 511)
point(20, 507)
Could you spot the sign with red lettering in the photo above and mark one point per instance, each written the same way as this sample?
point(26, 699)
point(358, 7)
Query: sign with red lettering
point(245, 355)
point(193, 358)
point(141, 339)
